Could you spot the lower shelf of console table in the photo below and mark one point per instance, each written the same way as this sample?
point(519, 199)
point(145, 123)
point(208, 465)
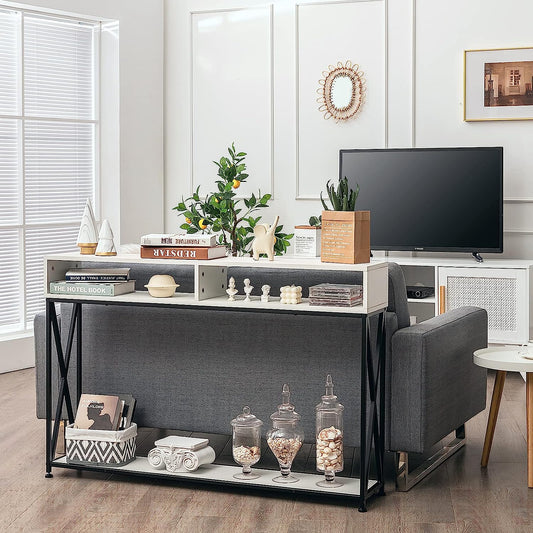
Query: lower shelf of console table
point(223, 475)
point(222, 470)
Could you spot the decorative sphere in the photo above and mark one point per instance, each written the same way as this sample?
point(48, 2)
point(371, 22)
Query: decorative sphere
point(161, 286)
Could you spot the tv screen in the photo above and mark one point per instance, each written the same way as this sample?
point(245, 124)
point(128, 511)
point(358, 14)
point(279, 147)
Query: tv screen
point(430, 199)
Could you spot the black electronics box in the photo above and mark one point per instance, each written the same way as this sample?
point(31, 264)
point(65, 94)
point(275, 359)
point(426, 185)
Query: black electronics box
point(419, 291)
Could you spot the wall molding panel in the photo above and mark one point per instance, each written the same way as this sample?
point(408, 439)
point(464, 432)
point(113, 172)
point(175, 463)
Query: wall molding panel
point(324, 31)
point(244, 89)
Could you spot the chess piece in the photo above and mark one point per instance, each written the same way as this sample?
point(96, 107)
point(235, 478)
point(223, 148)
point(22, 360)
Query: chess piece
point(247, 290)
point(231, 290)
point(266, 291)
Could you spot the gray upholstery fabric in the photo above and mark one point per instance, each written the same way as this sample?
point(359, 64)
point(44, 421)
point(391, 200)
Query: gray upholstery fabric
point(436, 385)
point(196, 369)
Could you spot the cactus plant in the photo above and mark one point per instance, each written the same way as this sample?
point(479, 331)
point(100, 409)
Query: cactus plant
point(342, 199)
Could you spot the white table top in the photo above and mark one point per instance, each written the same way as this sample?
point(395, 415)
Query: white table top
point(504, 358)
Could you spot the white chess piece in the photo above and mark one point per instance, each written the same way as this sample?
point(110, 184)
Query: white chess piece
point(247, 290)
point(266, 292)
point(231, 290)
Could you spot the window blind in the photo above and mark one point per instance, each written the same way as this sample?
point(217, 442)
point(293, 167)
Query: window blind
point(47, 150)
point(9, 62)
point(10, 281)
point(58, 68)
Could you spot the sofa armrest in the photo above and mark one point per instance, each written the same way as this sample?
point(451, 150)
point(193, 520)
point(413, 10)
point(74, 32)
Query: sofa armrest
point(435, 386)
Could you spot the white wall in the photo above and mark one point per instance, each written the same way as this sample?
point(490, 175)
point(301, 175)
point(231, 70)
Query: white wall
point(413, 50)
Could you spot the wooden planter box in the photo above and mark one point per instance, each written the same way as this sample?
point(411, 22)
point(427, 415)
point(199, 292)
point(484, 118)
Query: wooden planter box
point(345, 237)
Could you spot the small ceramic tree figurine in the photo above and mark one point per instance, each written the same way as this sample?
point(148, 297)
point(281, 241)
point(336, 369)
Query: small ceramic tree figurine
point(247, 290)
point(106, 246)
point(231, 290)
point(87, 238)
point(266, 292)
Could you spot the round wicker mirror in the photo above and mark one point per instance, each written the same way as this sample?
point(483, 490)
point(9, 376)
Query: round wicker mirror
point(341, 91)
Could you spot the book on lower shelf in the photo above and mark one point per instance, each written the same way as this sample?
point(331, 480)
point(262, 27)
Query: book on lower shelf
point(84, 288)
point(98, 411)
point(183, 252)
point(178, 239)
point(98, 274)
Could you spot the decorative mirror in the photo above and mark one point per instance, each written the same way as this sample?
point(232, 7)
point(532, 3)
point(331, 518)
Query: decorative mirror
point(341, 91)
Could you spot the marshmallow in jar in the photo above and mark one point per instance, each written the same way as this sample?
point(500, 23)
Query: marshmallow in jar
point(329, 433)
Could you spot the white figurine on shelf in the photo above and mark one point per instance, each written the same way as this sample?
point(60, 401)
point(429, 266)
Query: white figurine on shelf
point(106, 246)
point(266, 291)
point(231, 290)
point(87, 237)
point(247, 290)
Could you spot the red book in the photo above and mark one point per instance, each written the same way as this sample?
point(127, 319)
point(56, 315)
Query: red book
point(182, 252)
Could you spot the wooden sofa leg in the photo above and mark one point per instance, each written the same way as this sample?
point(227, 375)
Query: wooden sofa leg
point(405, 480)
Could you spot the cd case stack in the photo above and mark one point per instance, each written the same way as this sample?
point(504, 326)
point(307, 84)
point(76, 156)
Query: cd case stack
point(335, 294)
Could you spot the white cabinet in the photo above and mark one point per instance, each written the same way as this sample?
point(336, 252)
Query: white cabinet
point(503, 292)
point(502, 287)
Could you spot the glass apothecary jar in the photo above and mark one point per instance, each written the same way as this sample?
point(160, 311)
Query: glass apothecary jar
point(246, 444)
point(329, 435)
point(286, 437)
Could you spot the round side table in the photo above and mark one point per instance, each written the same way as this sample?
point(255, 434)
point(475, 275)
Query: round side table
point(505, 359)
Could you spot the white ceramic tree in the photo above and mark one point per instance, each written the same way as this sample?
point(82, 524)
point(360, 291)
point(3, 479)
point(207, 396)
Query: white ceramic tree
point(106, 246)
point(87, 237)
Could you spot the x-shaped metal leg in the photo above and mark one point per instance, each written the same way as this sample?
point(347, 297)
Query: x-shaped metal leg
point(63, 359)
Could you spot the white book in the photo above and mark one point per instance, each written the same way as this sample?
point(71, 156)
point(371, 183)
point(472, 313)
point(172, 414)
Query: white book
point(178, 239)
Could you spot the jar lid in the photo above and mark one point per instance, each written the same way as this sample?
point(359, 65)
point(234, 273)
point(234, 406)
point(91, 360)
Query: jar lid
point(285, 410)
point(246, 419)
point(329, 400)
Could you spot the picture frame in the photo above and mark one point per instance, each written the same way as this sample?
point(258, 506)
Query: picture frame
point(498, 84)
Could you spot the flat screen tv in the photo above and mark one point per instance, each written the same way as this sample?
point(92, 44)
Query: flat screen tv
point(430, 199)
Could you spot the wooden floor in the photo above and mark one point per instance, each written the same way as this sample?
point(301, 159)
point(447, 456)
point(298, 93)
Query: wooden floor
point(458, 497)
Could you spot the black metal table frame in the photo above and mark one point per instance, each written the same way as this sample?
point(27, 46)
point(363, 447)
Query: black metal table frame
point(372, 425)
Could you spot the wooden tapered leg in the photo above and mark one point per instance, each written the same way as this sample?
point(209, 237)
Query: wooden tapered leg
point(493, 415)
point(529, 416)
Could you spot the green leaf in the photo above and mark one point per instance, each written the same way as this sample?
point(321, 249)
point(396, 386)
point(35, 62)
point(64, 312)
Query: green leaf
point(241, 154)
point(185, 226)
point(326, 208)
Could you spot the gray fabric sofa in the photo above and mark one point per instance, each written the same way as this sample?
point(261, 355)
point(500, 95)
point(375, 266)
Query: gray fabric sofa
point(196, 369)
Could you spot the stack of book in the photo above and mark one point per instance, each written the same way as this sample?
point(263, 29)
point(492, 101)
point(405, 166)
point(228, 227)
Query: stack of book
point(335, 294)
point(94, 282)
point(180, 246)
point(105, 412)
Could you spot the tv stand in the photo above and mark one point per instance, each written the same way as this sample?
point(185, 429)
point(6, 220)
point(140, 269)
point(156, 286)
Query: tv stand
point(504, 287)
point(477, 257)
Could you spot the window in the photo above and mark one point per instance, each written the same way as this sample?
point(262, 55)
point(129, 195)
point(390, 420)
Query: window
point(48, 149)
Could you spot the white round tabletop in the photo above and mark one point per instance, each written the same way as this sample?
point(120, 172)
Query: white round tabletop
point(504, 358)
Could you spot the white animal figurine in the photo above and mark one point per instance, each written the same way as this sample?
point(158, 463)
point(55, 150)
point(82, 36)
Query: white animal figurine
point(231, 290)
point(247, 290)
point(266, 291)
point(264, 240)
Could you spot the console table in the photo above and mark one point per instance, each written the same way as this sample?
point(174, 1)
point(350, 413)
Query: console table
point(210, 283)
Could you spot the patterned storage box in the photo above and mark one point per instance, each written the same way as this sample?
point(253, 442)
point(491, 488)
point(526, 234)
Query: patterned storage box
point(100, 448)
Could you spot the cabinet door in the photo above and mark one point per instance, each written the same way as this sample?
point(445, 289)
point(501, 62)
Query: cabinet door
point(502, 292)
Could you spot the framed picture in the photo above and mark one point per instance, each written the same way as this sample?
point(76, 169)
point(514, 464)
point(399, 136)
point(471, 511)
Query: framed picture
point(498, 84)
